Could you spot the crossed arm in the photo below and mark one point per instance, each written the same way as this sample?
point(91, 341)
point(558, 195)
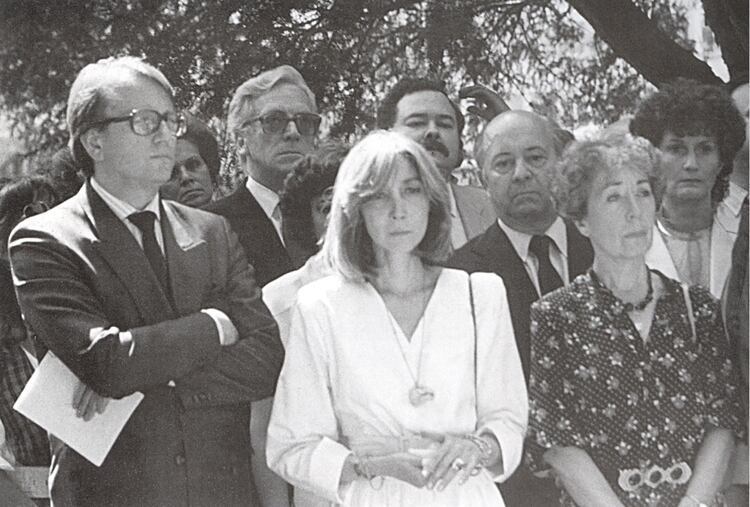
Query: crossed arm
point(59, 297)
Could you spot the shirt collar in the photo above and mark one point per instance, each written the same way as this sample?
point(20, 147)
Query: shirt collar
point(122, 209)
point(520, 240)
point(734, 198)
point(267, 198)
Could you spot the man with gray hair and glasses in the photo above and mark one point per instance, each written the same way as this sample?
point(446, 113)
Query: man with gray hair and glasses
point(274, 120)
point(134, 293)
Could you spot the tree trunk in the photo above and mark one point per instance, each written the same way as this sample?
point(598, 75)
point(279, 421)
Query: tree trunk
point(636, 38)
point(729, 21)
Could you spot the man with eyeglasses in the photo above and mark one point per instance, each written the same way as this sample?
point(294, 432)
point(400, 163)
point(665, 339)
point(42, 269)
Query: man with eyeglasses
point(274, 120)
point(134, 293)
point(529, 246)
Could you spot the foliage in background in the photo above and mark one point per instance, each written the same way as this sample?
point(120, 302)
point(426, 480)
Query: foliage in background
point(350, 52)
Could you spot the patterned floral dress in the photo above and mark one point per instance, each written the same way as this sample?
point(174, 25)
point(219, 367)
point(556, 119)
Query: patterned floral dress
point(638, 408)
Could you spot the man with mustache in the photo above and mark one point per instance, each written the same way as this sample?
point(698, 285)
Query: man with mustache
point(421, 110)
point(529, 246)
point(274, 121)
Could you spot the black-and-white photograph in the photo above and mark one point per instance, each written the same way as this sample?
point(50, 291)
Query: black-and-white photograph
point(385, 253)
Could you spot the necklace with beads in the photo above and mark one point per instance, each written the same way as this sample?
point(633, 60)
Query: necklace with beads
point(626, 306)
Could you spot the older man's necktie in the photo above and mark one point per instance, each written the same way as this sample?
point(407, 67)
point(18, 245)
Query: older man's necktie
point(144, 220)
point(549, 278)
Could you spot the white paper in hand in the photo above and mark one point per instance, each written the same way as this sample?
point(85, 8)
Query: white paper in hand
point(47, 400)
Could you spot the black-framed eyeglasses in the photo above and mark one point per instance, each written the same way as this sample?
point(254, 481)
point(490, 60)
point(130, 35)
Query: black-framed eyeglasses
point(144, 122)
point(276, 122)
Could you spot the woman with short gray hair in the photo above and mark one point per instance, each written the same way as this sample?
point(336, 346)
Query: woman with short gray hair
point(633, 397)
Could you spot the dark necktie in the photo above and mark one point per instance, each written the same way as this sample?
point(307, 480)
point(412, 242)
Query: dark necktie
point(144, 220)
point(549, 278)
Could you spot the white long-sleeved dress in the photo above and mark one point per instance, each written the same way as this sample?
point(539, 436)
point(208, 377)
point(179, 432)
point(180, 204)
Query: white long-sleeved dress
point(345, 376)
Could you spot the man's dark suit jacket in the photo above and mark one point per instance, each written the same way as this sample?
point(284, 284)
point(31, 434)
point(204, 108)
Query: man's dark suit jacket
point(265, 251)
point(493, 252)
point(79, 275)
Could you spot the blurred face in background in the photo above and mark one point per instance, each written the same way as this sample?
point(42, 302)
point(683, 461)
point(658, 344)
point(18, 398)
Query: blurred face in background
point(320, 208)
point(191, 182)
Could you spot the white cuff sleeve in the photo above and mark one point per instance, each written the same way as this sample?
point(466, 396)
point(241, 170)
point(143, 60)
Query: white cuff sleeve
point(223, 324)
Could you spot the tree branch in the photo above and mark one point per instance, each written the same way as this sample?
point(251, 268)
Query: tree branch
point(636, 38)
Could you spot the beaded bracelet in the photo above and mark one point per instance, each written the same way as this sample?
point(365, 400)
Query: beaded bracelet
point(485, 449)
point(362, 469)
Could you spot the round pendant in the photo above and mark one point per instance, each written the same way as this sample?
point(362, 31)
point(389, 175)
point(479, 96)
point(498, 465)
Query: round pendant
point(419, 395)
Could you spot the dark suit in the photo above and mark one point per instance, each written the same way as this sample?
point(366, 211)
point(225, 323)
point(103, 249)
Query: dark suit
point(492, 251)
point(78, 268)
point(265, 251)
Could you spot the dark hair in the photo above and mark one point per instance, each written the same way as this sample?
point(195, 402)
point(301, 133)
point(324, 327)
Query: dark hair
point(204, 139)
point(687, 107)
point(15, 197)
point(311, 176)
point(64, 174)
point(386, 116)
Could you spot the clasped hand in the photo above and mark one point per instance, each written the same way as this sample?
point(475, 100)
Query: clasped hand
point(430, 459)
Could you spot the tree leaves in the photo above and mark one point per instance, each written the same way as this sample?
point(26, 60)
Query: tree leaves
point(350, 52)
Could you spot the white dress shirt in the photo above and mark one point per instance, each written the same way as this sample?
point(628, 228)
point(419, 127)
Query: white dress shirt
point(558, 254)
point(123, 210)
point(269, 203)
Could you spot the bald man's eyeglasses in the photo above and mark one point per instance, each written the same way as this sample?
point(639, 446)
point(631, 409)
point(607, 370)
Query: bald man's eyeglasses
point(276, 122)
point(144, 122)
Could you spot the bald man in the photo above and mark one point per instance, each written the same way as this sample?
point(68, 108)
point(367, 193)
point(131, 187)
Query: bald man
point(529, 246)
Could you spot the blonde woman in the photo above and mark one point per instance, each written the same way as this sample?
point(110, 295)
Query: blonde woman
point(402, 384)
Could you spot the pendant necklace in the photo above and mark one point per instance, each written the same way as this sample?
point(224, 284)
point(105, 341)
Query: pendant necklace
point(419, 394)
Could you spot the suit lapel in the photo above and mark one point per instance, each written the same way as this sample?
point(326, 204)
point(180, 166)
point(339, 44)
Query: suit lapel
point(265, 230)
point(499, 254)
point(187, 257)
point(125, 257)
point(471, 211)
point(465, 214)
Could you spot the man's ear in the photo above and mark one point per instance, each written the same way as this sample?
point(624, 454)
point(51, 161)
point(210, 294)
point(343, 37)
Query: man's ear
point(92, 141)
point(583, 227)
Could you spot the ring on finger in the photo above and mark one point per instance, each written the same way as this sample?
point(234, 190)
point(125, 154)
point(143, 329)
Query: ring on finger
point(458, 464)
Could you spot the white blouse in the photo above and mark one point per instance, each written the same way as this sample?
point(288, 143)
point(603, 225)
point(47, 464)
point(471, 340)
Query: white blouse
point(345, 376)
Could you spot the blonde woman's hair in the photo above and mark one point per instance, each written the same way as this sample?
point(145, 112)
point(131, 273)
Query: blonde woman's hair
point(366, 170)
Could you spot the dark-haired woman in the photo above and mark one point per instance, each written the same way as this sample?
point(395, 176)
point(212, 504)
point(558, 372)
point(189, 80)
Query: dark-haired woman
point(699, 131)
point(28, 443)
